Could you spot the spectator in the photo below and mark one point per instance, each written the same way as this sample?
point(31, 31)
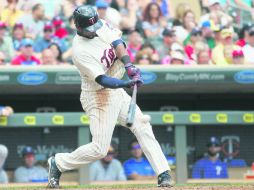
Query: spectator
point(166, 7)
point(195, 37)
point(228, 53)
point(11, 13)
point(60, 31)
point(3, 156)
point(55, 48)
point(48, 58)
point(112, 16)
point(18, 34)
point(246, 4)
point(222, 53)
point(216, 11)
point(217, 37)
point(203, 54)
point(48, 38)
point(143, 58)
point(208, 34)
point(26, 56)
point(29, 172)
point(52, 8)
point(243, 35)
point(129, 15)
point(177, 58)
point(137, 167)
point(6, 111)
point(134, 44)
point(210, 166)
point(179, 13)
point(102, 8)
point(169, 38)
point(238, 57)
point(177, 53)
point(2, 59)
point(149, 49)
point(153, 21)
point(248, 49)
point(188, 23)
point(6, 45)
point(108, 168)
point(34, 22)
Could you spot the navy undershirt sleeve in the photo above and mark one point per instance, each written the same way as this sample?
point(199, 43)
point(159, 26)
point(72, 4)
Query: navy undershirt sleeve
point(110, 82)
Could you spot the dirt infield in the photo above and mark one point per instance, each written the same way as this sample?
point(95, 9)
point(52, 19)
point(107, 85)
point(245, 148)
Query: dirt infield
point(140, 187)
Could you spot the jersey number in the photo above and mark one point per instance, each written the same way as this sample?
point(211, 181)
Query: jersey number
point(109, 57)
point(218, 170)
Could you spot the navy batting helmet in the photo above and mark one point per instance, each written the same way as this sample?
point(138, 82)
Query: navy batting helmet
point(86, 19)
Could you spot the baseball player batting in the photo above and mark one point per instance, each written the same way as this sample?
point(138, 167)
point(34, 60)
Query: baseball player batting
point(100, 55)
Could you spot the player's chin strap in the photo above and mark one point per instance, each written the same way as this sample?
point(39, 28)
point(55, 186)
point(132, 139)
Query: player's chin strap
point(89, 35)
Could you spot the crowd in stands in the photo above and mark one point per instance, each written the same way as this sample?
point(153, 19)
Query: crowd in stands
point(40, 32)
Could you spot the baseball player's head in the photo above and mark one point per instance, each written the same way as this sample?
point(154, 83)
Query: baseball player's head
point(213, 146)
point(135, 149)
point(87, 21)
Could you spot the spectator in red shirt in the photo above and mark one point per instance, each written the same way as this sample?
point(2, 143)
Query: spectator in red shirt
point(134, 45)
point(195, 36)
point(26, 57)
point(60, 32)
point(238, 57)
point(243, 35)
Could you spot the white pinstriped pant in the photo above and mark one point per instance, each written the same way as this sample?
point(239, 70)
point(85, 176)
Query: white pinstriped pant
point(104, 108)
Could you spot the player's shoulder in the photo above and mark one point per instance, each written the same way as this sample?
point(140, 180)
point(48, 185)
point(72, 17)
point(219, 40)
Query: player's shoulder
point(202, 161)
point(116, 162)
point(129, 161)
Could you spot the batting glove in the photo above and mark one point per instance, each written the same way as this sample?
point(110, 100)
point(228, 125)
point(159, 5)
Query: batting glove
point(132, 71)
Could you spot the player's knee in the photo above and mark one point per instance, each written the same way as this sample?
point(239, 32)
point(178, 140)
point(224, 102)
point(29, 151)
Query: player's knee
point(101, 151)
point(142, 119)
point(142, 123)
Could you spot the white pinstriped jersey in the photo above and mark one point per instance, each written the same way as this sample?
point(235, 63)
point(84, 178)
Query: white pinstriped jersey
point(94, 57)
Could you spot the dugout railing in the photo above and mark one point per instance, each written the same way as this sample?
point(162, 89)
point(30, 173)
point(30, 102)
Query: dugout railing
point(181, 120)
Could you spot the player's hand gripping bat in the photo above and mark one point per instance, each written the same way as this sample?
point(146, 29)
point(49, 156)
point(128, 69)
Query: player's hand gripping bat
point(132, 107)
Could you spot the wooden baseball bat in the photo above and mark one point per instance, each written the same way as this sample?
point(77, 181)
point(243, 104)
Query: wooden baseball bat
point(132, 108)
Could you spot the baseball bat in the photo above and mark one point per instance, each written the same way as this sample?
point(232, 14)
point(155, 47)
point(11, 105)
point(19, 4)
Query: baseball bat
point(132, 107)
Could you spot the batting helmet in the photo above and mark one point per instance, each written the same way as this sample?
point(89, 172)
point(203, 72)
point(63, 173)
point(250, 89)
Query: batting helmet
point(86, 19)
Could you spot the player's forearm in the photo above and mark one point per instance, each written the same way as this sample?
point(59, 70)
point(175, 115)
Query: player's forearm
point(120, 49)
point(109, 82)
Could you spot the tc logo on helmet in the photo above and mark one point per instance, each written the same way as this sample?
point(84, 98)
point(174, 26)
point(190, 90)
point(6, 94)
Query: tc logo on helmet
point(91, 20)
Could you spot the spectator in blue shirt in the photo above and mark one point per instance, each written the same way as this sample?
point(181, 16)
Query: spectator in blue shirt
point(108, 168)
point(47, 39)
point(211, 166)
point(18, 34)
point(137, 167)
